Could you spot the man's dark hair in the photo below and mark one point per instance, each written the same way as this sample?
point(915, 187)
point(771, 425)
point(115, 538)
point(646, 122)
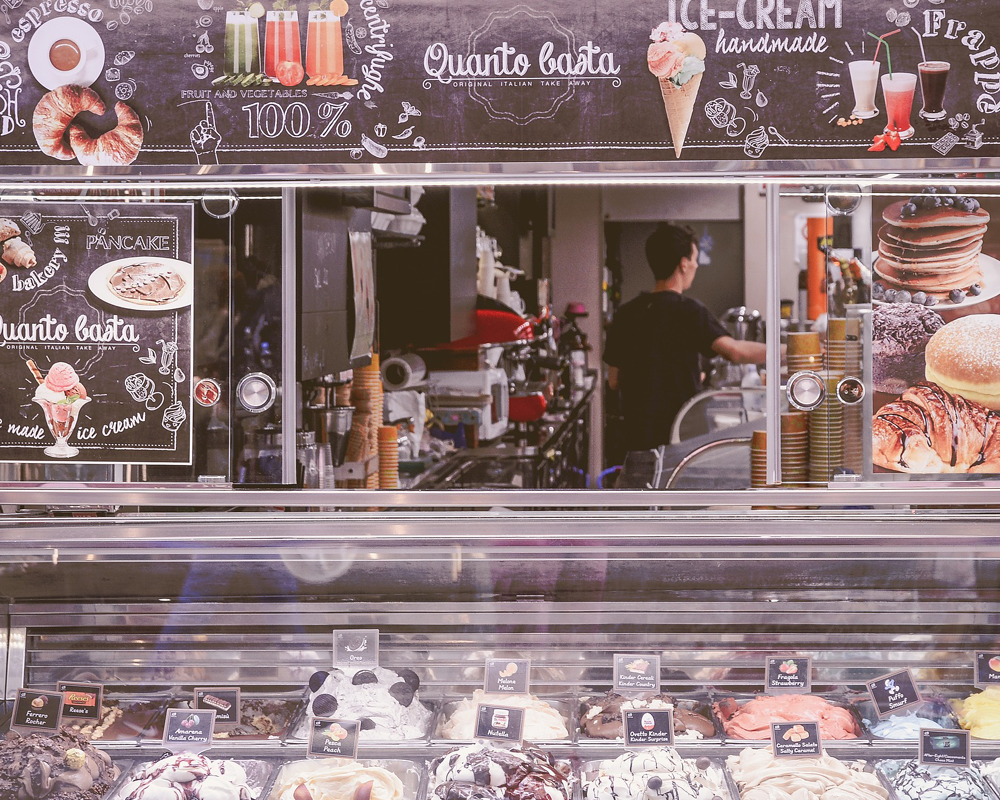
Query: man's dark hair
point(666, 246)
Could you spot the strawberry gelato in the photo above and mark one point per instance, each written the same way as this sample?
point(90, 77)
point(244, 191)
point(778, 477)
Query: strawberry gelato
point(63, 378)
point(753, 720)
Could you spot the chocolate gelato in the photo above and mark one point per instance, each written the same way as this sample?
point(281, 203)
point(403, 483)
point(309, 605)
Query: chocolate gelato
point(900, 332)
point(64, 766)
point(601, 718)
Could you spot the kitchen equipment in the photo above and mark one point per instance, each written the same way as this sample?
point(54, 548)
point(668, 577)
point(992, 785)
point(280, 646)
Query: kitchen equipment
point(458, 397)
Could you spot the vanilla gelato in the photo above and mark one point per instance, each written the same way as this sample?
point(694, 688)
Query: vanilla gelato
point(335, 779)
point(760, 776)
point(653, 773)
point(541, 721)
point(187, 776)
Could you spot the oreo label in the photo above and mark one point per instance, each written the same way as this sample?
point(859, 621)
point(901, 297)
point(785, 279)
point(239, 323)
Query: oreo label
point(355, 648)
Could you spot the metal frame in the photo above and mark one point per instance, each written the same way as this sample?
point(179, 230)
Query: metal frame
point(676, 474)
point(289, 344)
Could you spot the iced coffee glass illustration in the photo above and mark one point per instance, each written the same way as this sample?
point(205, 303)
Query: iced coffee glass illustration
point(242, 44)
point(864, 81)
point(933, 77)
point(61, 396)
point(324, 45)
point(897, 89)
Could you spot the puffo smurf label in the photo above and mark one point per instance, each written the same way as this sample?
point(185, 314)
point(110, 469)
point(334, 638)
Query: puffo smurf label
point(893, 692)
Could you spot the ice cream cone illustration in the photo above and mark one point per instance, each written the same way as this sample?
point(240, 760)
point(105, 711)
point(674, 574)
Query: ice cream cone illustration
point(677, 59)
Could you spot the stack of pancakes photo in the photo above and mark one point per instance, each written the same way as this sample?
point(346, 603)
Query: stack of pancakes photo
point(931, 243)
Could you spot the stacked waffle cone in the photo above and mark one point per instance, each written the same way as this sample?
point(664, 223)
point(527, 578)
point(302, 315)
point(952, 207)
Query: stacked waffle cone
point(678, 101)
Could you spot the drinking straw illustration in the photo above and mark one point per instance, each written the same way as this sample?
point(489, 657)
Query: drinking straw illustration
point(920, 39)
point(881, 41)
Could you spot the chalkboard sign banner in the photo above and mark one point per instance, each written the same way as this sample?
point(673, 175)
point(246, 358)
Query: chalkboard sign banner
point(417, 82)
point(651, 728)
point(188, 731)
point(36, 711)
point(945, 748)
point(95, 333)
point(81, 700)
point(894, 692)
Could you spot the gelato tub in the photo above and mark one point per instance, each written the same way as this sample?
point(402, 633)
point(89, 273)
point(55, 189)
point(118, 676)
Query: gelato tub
point(980, 713)
point(187, 776)
point(123, 720)
point(750, 718)
point(484, 771)
point(760, 776)
point(342, 779)
point(601, 716)
point(913, 781)
point(63, 766)
point(261, 718)
point(544, 720)
point(652, 773)
point(906, 724)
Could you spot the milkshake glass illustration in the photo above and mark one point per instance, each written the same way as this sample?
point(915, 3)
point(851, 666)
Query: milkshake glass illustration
point(897, 89)
point(282, 41)
point(324, 45)
point(242, 43)
point(933, 77)
point(61, 396)
point(864, 81)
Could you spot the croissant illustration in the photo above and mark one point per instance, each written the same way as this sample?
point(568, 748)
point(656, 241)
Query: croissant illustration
point(54, 114)
point(116, 148)
point(18, 254)
point(928, 430)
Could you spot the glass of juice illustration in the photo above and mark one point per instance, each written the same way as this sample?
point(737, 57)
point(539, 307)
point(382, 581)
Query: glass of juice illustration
point(864, 81)
point(897, 89)
point(242, 44)
point(324, 45)
point(282, 41)
point(933, 77)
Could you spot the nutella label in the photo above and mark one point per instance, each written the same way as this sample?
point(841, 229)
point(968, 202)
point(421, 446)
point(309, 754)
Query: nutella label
point(507, 675)
point(987, 668)
point(333, 737)
point(36, 711)
point(950, 748)
point(355, 648)
point(636, 673)
point(893, 692)
point(499, 723)
point(189, 730)
point(787, 674)
point(224, 701)
point(796, 739)
point(652, 728)
point(81, 700)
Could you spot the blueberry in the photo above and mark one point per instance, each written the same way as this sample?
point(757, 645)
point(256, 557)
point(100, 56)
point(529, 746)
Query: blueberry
point(975, 204)
point(928, 190)
point(948, 201)
point(909, 210)
point(927, 201)
point(317, 679)
point(902, 296)
point(363, 677)
point(956, 295)
point(931, 301)
point(878, 291)
point(402, 692)
point(367, 724)
point(975, 290)
point(920, 298)
point(324, 705)
point(949, 190)
point(938, 201)
point(411, 678)
point(890, 296)
point(654, 783)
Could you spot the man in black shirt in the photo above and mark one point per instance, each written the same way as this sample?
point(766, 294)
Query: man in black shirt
point(654, 343)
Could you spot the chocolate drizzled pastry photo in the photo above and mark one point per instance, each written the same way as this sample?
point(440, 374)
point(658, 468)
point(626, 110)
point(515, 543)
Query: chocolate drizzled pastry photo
point(64, 766)
point(146, 283)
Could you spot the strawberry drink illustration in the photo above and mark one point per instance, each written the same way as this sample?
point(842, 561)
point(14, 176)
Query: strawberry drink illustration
point(61, 396)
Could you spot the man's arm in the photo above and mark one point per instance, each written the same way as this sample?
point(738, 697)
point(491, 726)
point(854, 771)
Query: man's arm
point(613, 378)
point(740, 352)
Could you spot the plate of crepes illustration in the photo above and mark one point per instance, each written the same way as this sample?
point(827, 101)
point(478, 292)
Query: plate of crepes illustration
point(144, 283)
point(930, 251)
point(949, 422)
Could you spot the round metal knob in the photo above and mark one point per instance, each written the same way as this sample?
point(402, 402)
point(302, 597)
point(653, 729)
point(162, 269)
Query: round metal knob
point(851, 391)
point(256, 392)
point(806, 391)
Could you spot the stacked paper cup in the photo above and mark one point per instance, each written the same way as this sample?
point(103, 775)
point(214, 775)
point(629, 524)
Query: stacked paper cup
point(854, 455)
point(826, 436)
point(388, 457)
point(804, 351)
point(794, 449)
point(758, 460)
point(836, 347)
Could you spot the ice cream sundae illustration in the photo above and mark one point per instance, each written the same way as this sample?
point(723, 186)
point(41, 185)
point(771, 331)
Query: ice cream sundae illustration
point(61, 396)
point(677, 58)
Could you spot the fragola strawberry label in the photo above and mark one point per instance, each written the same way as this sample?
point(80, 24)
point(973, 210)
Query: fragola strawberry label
point(788, 673)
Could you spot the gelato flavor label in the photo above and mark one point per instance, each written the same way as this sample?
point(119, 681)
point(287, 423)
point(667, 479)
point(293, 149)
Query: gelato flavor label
point(36, 711)
point(787, 674)
point(333, 737)
point(225, 701)
point(637, 673)
point(987, 668)
point(355, 648)
point(650, 728)
point(81, 700)
point(189, 730)
point(796, 740)
point(507, 675)
point(499, 723)
point(945, 748)
point(893, 692)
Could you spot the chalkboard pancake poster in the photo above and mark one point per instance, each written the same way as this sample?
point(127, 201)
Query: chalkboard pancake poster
point(395, 85)
point(96, 332)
